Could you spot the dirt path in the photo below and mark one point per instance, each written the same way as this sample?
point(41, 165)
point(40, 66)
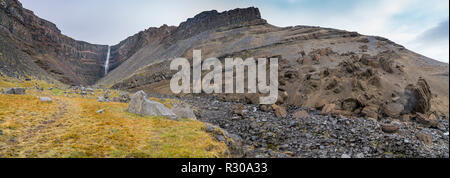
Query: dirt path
point(62, 110)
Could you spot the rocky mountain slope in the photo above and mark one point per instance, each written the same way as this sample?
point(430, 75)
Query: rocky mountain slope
point(350, 73)
point(33, 46)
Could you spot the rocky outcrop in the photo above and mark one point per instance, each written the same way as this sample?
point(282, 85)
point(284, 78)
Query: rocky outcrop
point(212, 19)
point(128, 47)
point(65, 59)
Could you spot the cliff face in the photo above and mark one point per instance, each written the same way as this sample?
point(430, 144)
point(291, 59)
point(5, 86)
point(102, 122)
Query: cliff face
point(128, 47)
point(212, 19)
point(157, 44)
point(65, 59)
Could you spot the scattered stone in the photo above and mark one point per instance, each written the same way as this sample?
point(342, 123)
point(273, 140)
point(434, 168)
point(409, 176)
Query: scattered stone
point(14, 91)
point(389, 128)
point(300, 114)
point(280, 111)
point(370, 111)
point(328, 108)
point(45, 99)
point(346, 156)
point(239, 109)
point(1, 132)
point(425, 138)
point(140, 105)
point(430, 121)
point(387, 64)
point(101, 111)
point(321, 103)
point(265, 108)
point(350, 104)
point(406, 118)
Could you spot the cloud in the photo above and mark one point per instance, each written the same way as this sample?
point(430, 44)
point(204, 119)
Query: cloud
point(433, 42)
point(437, 34)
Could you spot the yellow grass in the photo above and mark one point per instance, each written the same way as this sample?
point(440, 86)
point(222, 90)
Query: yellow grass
point(71, 127)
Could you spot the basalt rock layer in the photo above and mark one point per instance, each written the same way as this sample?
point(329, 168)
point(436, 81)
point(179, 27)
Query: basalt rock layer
point(33, 46)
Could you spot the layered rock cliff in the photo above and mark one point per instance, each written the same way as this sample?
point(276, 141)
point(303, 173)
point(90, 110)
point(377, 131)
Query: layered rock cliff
point(128, 47)
point(63, 58)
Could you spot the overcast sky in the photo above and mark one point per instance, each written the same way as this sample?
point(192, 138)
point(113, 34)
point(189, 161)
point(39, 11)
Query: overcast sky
point(419, 25)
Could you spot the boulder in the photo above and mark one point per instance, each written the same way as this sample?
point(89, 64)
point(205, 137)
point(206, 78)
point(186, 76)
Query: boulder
point(265, 108)
point(140, 105)
point(389, 128)
point(45, 99)
point(405, 118)
point(321, 103)
point(393, 109)
point(14, 91)
point(350, 104)
point(425, 138)
point(387, 64)
point(280, 111)
point(429, 121)
point(183, 111)
point(419, 97)
point(239, 109)
point(300, 114)
point(370, 111)
point(328, 108)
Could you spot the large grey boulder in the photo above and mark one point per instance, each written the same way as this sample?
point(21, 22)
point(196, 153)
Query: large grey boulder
point(140, 105)
point(14, 91)
point(183, 111)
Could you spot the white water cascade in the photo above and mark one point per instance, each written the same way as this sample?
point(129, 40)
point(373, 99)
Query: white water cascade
point(107, 60)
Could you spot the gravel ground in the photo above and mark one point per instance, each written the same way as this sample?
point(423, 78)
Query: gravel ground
point(316, 136)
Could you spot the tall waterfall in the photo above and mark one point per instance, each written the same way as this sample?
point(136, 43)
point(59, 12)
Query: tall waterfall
point(107, 60)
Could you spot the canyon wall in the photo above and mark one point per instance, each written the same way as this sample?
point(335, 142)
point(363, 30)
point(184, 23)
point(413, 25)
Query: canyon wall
point(63, 58)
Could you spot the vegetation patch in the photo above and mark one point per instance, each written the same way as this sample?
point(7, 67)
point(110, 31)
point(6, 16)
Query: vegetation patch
point(71, 127)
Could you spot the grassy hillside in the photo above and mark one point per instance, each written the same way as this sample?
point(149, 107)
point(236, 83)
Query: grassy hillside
point(71, 127)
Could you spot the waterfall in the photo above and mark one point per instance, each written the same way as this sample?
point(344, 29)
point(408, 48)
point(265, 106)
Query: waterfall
point(107, 60)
